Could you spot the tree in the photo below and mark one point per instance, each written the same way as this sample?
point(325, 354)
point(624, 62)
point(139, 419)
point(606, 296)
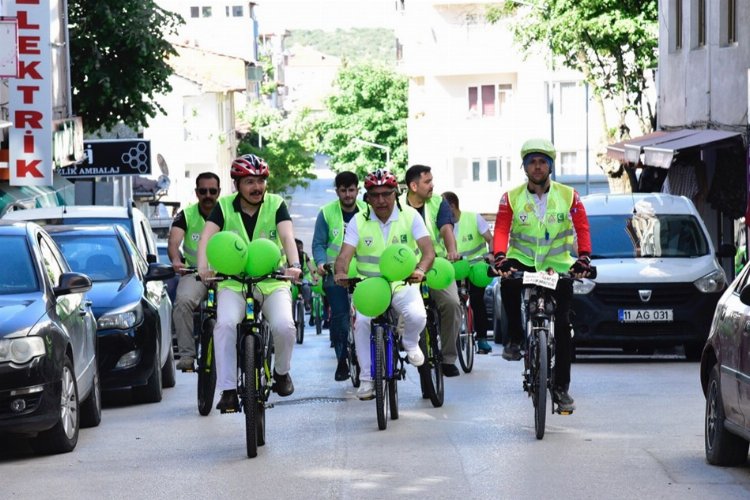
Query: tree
point(370, 104)
point(612, 42)
point(118, 60)
point(285, 143)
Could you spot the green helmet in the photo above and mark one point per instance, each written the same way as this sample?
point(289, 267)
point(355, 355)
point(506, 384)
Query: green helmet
point(542, 146)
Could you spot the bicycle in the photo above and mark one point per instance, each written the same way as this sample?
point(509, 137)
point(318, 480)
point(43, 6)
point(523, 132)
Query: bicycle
point(206, 362)
point(538, 313)
point(298, 312)
point(465, 341)
point(317, 312)
point(431, 372)
point(254, 362)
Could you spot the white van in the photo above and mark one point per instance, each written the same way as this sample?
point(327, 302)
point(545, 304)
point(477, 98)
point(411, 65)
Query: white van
point(658, 276)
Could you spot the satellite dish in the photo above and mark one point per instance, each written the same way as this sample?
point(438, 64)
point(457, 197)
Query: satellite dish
point(162, 164)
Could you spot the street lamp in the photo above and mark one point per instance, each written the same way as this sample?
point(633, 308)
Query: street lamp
point(375, 145)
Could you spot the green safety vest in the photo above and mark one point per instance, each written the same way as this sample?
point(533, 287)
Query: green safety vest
point(470, 243)
point(371, 243)
point(431, 209)
point(265, 227)
point(334, 218)
point(194, 223)
point(547, 242)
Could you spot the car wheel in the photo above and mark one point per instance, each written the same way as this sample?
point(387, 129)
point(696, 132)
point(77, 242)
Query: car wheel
point(151, 392)
point(168, 376)
point(722, 447)
point(91, 409)
point(63, 436)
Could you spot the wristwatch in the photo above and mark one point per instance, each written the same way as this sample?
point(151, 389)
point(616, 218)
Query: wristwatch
point(296, 265)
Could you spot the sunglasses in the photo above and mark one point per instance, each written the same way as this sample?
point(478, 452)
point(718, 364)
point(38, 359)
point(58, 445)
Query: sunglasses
point(203, 191)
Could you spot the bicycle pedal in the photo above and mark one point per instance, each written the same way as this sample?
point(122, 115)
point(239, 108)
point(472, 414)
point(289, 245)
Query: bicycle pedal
point(188, 370)
point(228, 411)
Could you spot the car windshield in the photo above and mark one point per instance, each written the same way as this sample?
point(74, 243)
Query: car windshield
point(17, 275)
point(126, 224)
point(640, 235)
point(100, 257)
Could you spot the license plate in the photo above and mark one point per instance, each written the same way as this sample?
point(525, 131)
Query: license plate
point(645, 315)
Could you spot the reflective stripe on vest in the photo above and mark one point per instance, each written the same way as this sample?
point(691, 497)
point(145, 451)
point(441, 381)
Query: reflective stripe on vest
point(470, 243)
point(542, 243)
point(194, 223)
point(431, 209)
point(265, 227)
point(371, 243)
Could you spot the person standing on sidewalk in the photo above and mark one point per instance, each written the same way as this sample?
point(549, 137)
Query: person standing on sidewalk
point(186, 231)
point(327, 239)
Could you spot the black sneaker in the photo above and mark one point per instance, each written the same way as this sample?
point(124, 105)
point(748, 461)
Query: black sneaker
point(229, 403)
point(312, 321)
point(450, 370)
point(512, 352)
point(565, 403)
point(342, 371)
point(282, 384)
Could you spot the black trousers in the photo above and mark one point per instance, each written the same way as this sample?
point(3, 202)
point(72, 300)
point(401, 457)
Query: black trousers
point(476, 301)
point(510, 291)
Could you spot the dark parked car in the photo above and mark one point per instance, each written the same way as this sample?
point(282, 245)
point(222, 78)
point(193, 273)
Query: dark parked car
point(725, 376)
point(172, 282)
point(49, 383)
point(131, 305)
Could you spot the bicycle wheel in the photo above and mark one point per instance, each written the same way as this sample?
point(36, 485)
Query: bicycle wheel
point(206, 368)
point(393, 385)
point(539, 382)
point(380, 380)
point(465, 340)
point(249, 394)
point(431, 372)
point(300, 320)
point(317, 311)
point(351, 360)
point(264, 382)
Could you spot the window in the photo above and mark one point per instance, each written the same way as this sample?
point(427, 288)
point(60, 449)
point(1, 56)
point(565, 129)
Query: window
point(492, 167)
point(473, 98)
point(492, 100)
point(51, 262)
point(194, 12)
point(698, 19)
point(206, 11)
point(488, 100)
point(475, 169)
point(571, 99)
point(677, 24)
point(728, 22)
point(234, 11)
point(504, 94)
point(568, 162)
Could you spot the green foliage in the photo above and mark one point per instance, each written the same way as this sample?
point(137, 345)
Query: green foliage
point(613, 43)
point(371, 105)
point(285, 144)
point(355, 45)
point(118, 53)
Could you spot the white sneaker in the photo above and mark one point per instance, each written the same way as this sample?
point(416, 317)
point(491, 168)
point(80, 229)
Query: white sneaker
point(366, 390)
point(415, 356)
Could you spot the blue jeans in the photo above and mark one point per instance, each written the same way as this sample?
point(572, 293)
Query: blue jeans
point(338, 299)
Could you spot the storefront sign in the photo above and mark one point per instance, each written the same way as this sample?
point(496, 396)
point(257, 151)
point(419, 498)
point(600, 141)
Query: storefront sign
point(30, 95)
point(67, 141)
point(112, 157)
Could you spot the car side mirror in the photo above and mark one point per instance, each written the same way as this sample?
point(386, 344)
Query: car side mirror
point(745, 295)
point(159, 272)
point(151, 258)
point(72, 283)
point(726, 250)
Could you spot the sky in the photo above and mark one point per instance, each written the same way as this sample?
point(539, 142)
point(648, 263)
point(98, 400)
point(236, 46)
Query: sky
point(325, 14)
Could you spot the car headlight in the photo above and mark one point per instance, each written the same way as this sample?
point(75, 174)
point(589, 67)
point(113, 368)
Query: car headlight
point(715, 281)
point(123, 318)
point(583, 286)
point(21, 350)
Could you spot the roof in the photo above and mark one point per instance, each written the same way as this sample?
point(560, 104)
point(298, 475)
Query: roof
point(76, 228)
point(213, 72)
point(624, 203)
point(64, 212)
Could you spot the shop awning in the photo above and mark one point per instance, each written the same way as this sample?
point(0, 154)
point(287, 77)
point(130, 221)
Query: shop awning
point(60, 193)
point(661, 154)
point(630, 150)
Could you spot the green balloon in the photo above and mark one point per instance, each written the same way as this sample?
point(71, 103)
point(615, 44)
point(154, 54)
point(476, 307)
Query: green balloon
point(295, 292)
point(263, 256)
point(397, 262)
point(227, 252)
point(478, 275)
point(372, 296)
point(441, 275)
point(352, 269)
point(461, 268)
point(318, 287)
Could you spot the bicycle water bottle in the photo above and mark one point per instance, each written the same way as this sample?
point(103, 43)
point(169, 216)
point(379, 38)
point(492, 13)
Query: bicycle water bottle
point(250, 309)
point(211, 297)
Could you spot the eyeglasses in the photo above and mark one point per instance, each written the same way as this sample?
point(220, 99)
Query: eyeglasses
point(203, 191)
point(381, 194)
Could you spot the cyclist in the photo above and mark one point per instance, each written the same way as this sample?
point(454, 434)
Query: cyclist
point(327, 239)
point(536, 228)
point(381, 224)
point(439, 221)
point(186, 230)
point(473, 238)
point(308, 275)
point(252, 213)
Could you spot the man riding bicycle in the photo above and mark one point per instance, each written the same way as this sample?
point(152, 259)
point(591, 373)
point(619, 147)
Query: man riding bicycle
point(536, 229)
point(186, 230)
point(380, 225)
point(252, 213)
